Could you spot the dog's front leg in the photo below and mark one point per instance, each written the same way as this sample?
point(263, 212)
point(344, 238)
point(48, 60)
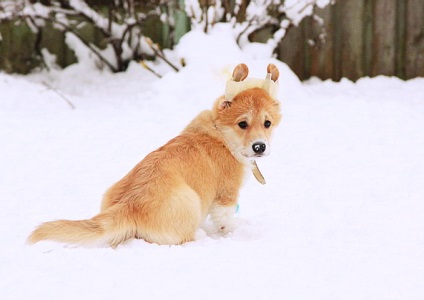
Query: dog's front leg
point(223, 216)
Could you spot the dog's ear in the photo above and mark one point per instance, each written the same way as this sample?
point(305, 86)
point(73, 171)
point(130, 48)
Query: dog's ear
point(223, 103)
point(240, 72)
point(272, 69)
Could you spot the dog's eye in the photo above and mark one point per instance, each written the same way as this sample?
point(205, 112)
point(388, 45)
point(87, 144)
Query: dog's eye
point(267, 124)
point(243, 124)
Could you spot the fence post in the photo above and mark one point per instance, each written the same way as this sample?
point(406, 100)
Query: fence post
point(414, 39)
point(384, 38)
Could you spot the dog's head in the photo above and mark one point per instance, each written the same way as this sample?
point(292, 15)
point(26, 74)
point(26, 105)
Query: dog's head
point(248, 113)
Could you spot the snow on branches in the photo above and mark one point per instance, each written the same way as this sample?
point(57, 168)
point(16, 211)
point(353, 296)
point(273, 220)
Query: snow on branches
point(249, 16)
point(121, 23)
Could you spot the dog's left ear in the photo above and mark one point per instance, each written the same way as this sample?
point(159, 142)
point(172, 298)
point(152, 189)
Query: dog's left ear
point(270, 83)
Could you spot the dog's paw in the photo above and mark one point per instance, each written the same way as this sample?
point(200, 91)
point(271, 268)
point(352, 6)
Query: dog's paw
point(230, 226)
point(225, 228)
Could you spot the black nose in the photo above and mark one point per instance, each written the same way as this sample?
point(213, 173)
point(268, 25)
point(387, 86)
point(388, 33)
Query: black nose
point(259, 148)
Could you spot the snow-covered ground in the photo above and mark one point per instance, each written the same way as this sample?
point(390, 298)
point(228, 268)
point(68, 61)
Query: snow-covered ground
point(341, 215)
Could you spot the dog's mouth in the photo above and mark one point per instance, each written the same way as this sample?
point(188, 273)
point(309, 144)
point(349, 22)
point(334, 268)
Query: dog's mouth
point(253, 156)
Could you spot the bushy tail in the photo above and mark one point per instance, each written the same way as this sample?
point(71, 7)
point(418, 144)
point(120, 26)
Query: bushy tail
point(107, 228)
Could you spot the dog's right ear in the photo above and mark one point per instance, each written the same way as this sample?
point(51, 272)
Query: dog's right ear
point(240, 72)
point(223, 103)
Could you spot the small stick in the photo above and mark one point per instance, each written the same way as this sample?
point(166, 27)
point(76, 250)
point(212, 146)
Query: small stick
point(143, 63)
point(50, 87)
point(160, 54)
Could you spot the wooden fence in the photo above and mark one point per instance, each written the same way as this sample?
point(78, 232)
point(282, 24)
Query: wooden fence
point(362, 38)
point(359, 38)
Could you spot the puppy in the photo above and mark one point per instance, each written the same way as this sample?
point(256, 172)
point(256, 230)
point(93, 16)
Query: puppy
point(166, 197)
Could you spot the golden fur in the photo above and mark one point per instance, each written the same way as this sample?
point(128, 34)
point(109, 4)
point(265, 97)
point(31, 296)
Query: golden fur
point(165, 198)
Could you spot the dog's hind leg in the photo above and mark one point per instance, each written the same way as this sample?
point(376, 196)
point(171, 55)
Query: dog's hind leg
point(174, 220)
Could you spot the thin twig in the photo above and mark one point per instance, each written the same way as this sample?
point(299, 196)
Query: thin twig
point(143, 63)
point(50, 87)
point(160, 54)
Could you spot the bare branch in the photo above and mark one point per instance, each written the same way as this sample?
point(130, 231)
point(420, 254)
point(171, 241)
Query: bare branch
point(160, 54)
point(144, 65)
point(50, 87)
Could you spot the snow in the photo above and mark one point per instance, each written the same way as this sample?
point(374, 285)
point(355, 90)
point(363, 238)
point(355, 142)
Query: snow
point(341, 215)
point(296, 10)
